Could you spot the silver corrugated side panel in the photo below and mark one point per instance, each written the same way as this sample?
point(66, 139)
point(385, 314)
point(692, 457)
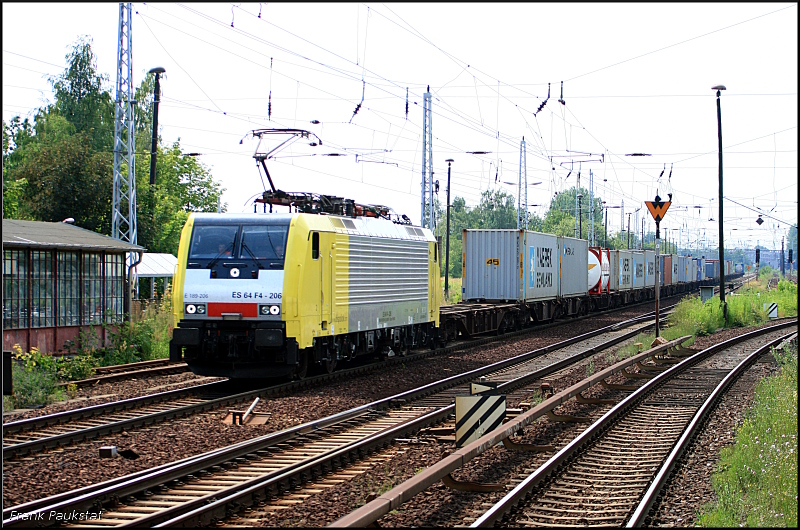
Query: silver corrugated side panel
point(650, 268)
point(574, 258)
point(638, 268)
point(540, 266)
point(387, 282)
point(613, 270)
point(492, 265)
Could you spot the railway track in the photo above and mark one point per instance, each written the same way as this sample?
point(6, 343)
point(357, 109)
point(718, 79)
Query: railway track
point(33, 435)
point(120, 372)
point(605, 477)
point(206, 488)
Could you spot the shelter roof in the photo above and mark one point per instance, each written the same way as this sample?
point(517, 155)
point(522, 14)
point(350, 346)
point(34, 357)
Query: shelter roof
point(155, 265)
point(38, 234)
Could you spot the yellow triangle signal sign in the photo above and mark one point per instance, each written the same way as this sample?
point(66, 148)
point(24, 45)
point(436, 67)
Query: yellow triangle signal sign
point(658, 209)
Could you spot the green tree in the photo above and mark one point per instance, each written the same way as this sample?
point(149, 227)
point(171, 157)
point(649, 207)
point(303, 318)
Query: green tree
point(560, 217)
point(61, 174)
point(81, 97)
point(52, 165)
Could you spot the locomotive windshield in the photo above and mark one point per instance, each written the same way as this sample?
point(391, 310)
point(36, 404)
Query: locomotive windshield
point(263, 242)
point(212, 242)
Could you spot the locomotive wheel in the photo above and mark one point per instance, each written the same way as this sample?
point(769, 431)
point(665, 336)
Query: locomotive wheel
point(330, 366)
point(302, 366)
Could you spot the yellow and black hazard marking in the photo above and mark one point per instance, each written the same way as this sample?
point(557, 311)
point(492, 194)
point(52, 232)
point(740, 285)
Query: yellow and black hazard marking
point(477, 415)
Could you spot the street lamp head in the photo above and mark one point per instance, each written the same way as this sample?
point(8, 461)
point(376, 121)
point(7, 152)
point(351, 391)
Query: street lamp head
point(449, 160)
point(157, 70)
point(718, 87)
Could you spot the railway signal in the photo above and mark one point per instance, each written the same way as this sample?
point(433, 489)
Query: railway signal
point(658, 210)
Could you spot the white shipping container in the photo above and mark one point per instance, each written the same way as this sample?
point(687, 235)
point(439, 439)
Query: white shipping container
point(491, 268)
point(541, 266)
point(574, 266)
point(623, 261)
point(505, 265)
point(613, 270)
point(650, 268)
point(675, 269)
point(638, 267)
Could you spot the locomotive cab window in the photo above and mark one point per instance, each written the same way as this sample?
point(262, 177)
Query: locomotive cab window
point(212, 242)
point(263, 242)
point(315, 245)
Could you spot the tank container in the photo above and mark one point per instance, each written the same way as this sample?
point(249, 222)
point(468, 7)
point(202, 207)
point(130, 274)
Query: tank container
point(598, 273)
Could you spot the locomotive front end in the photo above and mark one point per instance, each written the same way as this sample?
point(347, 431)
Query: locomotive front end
point(229, 294)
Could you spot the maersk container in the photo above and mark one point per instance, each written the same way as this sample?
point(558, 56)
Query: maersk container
point(675, 268)
point(541, 266)
point(621, 270)
point(650, 268)
point(637, 267)
point(505, 265)
point(574, 264)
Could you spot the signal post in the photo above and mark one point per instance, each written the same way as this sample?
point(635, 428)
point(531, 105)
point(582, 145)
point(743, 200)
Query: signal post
point(657, 209)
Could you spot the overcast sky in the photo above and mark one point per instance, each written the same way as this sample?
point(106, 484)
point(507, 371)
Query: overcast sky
point(636, 78)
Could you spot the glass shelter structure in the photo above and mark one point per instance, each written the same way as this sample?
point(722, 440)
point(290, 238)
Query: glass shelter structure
point(59, 279)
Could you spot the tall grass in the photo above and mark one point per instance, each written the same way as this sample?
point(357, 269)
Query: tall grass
point(756, 479)
point(454, 286)
point(745, 308)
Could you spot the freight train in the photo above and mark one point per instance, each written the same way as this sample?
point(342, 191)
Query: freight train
point(267, 295)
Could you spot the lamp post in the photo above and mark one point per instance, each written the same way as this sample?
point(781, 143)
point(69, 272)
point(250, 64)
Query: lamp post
point(447, 237)
point(629, 230)
point(719, 88)
point(156, 98)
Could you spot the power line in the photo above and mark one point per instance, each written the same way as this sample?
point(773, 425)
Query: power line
point(681, 42)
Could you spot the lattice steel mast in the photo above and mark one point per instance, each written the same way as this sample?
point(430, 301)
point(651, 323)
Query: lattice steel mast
point(123, 219)
point(427, 218)
point(522, 188)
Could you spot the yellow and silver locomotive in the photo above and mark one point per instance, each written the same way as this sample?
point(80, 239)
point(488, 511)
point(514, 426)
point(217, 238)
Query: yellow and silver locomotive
point(269, 295)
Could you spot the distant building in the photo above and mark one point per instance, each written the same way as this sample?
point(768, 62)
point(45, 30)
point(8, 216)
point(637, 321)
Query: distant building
point(59, 279)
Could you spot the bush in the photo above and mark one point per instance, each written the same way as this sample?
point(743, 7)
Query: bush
point(35, 384)
point(76, 368)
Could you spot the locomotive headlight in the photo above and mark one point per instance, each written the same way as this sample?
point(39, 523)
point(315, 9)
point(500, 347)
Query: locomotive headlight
point(269, 309)
point(201, 309)
point(191, 309)
point(264, 309)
